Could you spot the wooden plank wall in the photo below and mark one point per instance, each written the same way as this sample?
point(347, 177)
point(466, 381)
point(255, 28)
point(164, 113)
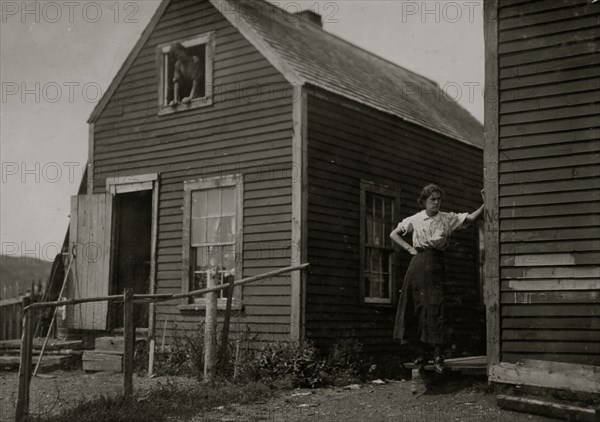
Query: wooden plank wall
point(247, 130)
point(549, 180)
point(11, 311)
point(347, 144)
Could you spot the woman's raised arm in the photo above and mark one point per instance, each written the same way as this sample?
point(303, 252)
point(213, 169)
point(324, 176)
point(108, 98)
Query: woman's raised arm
point(474, 216)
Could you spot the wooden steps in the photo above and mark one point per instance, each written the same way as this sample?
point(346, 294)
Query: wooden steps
point(100, 361)
point(8, 345)
point(553, 409)
point(473, 365)
point(107, 355)
point(422, 376)
point(58, 354)
point(49, 362)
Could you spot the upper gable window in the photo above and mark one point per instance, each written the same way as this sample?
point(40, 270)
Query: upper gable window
point(186, 73)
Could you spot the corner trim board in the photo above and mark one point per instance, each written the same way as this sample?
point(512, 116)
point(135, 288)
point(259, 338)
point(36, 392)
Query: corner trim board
point(90, 160)
point(299, 215)
point(491, 286)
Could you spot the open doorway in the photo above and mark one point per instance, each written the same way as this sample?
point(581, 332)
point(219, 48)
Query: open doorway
point(132, 252)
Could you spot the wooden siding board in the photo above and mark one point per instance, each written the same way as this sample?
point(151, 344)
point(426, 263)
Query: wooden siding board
point(237, 134)
point(549, 96)
point(562, 112)
point(551, 53)
point(137, 129)
point(549, 215)
point(576, 323)
point(548, 198)
point(568, 148)
point(515, 211)
point(557, 125)
point(524, 70)
point(591, 221)
point(521, 10)
point(562, 357)
point(551, 138)
point(558, 297)
point(544, 80)
point(341, 153)
point(580, 34)
point(538, 334)
point(522, 247)
point(563, 13)
point(543, 29)
point(553, 174)
point(591, 348)
point(554, 310)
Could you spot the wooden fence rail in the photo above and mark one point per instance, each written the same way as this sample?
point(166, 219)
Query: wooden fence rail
point(128, 299)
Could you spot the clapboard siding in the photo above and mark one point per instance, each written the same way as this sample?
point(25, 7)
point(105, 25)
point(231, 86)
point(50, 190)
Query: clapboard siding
point(242, 132)
point(346, 144)
point(549, 176)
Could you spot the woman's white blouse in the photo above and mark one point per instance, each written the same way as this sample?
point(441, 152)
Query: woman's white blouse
point(432, 232)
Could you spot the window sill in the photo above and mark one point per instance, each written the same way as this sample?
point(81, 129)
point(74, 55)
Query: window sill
point(375, 302)
point(181, 107)
point(198, 307)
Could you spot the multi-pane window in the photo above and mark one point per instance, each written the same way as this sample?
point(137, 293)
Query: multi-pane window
point(213, 220)
point(213, 229)
point(377, 221)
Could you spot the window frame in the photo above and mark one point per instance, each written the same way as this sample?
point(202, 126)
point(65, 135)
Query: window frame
point(235, 180)
point(162, 50)
point(394, 193)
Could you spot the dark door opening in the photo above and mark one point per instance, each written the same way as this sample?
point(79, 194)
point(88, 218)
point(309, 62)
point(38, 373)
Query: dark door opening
point(132, 252)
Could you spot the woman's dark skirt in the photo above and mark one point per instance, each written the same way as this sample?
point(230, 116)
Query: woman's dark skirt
point(421, 313)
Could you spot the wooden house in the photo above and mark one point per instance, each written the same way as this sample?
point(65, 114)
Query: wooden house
point(542, 167)
point(301, 148)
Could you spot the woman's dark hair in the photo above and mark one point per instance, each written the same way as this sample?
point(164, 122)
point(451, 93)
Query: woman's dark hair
point(427, 192)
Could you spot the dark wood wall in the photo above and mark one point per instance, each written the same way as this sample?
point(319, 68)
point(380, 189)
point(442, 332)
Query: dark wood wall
point(549, 180)
point(347, 143)
point(248, 130)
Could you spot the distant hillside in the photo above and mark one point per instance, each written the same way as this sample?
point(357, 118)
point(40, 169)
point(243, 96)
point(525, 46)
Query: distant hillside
point(22, 270)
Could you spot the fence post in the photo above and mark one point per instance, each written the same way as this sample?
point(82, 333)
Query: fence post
point(223, 349)
point(151, 339)
point(22, 408)
point(210, 330)
point(129, 340)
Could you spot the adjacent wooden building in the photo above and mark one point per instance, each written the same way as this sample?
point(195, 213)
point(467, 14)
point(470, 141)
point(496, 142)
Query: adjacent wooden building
point(542, 167)
point(302, 148)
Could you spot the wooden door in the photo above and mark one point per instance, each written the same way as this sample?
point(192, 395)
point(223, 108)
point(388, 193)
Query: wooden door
point(90, 242)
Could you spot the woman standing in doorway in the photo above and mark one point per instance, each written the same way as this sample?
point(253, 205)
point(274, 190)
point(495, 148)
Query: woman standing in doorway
point(420, 316)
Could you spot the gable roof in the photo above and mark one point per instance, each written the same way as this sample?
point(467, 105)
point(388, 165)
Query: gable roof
point(129, 61)
point(304, 53)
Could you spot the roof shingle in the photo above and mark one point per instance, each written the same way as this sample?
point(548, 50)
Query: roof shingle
point(314, 56)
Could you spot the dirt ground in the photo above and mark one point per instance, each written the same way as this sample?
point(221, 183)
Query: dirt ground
point(452, 400)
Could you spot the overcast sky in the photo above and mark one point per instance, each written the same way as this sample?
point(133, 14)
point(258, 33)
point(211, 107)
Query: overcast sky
point(57, 57)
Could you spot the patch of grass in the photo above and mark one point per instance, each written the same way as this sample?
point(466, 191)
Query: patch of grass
point(162, 403)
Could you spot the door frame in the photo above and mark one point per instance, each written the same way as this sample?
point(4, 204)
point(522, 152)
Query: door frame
point(136, 183)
